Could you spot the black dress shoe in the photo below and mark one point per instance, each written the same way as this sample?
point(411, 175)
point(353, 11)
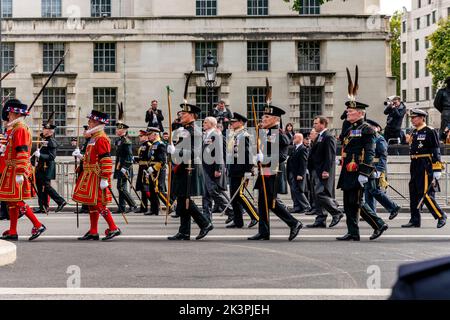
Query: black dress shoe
point(394, 213)
point(89, 236)
point(3, 218)
point(348, 237)
point(83, 210)
point(61, 206)
point(252, 223)
point(295, 210)
point(174, 216)
point(131, 209)
point(411, 225)
point(232, 226)
point(295, 230)
point(112, 234)
point(10, 237)
point(259, 236)
point(442, 222)
point(180, 236)
point(317, 225)
point(141, 210)
point(229, 219)
point(204, 231)
point(39, 210)
point(336, 220)
point(36, 232)
point(377, 233)
point(311, 213)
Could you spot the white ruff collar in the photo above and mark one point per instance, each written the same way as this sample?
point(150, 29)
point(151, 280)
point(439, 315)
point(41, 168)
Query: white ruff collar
point(12, 123)
point(96, 129)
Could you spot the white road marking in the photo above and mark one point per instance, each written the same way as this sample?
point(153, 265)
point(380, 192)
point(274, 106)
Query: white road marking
point(199, 292)
point(244, 237)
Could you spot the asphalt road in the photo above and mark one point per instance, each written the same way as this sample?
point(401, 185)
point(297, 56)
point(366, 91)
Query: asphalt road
point(143, 264)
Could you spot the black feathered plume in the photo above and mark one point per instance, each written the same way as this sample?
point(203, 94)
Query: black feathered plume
point(50, 118)
point(186, 87)
point(121, 113)
point(353, 87)
point(268, 93)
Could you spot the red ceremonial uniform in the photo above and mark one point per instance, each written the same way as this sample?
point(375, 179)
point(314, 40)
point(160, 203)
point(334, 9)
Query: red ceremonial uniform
point(97, 165)
point(16, 162)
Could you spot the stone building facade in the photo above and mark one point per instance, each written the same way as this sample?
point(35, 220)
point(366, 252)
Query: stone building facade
point(130, 50)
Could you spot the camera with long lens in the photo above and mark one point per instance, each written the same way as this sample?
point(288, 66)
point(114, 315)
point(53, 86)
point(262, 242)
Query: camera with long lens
point(388, 103)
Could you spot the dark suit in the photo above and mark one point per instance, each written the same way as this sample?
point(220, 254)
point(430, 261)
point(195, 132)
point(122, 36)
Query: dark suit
point(323, 159)
point(215, 188)
point(154, 122)
point(296, 166)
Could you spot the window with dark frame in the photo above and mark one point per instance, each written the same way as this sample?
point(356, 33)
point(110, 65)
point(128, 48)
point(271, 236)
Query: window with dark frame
point(52, 54)
point(308, 55)
point(104, 57)
point(259, 95)
point(417, 68)
point(427, 71)
point(404, 95)
point(100, 8)
point(51, 8)
point(404, 71)
point(427, 93)
point(7, 56)
point(202, 101)
point(404, 47)
point(311, 105)
point(8, 93)
point(257, 7)
point(201, 52)
point(309, 7)
point(54, 99)
point(7, 9)
point(417, 91)
point(206, 7)
point(257, 56)
point(105, 100)
point(417, 44)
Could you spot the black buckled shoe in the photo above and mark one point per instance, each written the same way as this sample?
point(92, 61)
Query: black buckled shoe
point(317, 225)
point(394, 213)
point(411, 225)
point(131, 209)
point(295, 230)
point(348, 237)
point(36, 232)
point(39, 210)
point(233, 226)
point(89, 236)
point(336, 220)
point(9, 237)
point(442, 222)
point(377, 233)
point(60, 207)
point(179, 236)
point(229, 219)
point(252, 223)
point(259, 236)
point(112, 234)
point(204, 231)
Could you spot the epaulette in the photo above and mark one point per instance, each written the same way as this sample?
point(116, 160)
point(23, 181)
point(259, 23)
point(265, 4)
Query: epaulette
point(366, 129)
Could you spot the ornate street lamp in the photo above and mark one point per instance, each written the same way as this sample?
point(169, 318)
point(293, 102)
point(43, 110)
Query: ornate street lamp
point(210, 70)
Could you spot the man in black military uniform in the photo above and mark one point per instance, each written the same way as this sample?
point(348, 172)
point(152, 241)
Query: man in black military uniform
point(424, 280)
point(240, 165)
point(442, 103)
point(142, 159)
point(157, 162)
point(357, 166)
point(274, 151)
point(425, 170)
point(124, 165)
point(188, 173)
point(46, 170)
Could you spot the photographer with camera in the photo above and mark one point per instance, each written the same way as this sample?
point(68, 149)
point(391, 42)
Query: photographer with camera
point(395, 110)
point(222, 114)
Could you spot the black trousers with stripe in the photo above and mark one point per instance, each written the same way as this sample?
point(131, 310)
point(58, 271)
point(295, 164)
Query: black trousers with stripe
point(241, 202)
point(421, 177)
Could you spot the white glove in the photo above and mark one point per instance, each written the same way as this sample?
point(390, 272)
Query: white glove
point(150, 170)
point(19, 179)
point(171, 149)
point(37, 153)
point(104, 184)
point(77, 153)
point(248, 175)
point(437, 175)
point(338, 162)
point(124, 171)
point(362, 180)
point(377, 174)
point(259, 157)
point(2, 148)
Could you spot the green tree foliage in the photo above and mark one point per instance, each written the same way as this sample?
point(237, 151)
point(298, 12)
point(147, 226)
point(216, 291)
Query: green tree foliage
point(439, 53)
point(297, 3)
point(395, 26)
